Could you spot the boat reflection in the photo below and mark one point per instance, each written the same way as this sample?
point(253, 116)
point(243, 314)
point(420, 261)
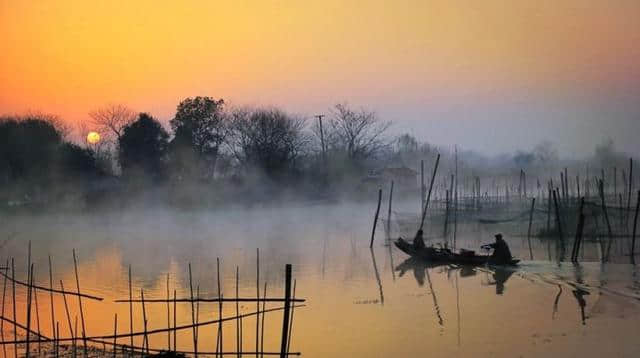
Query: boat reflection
point(420, 269)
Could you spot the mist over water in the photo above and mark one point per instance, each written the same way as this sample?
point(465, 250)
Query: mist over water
point(360, 302)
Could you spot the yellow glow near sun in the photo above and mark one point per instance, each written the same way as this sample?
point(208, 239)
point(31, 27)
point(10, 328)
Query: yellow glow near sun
point(93, 137)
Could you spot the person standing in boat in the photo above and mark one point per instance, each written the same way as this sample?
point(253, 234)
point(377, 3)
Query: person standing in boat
point(501, 253)
point(418, 241)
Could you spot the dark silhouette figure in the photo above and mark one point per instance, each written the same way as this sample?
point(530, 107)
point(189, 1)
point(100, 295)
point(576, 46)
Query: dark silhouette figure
point(501, 254)
point(418, 241)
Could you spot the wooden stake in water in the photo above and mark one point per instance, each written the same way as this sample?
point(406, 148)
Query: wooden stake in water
point(389, 211)
point(84, 336)
point(35, 299)
point(53, 316)
point(630, 188)
point(15, 326)
point(237, 314)
point(4, 291)
point(375, 220)
point(115, 334)
point(578, 238)
point(635, 224)
point(285, 320)
point(291, 320)
point(257, 298)
point(426, 205)
point(558, 222)
point(168, 317)
point(66, 309)
point(219, 307)
point(422, 187)
point(130, 310)
point(264, 304)
point(175, 324)
point(144, 321)
point(29, 291)
point(193, 317)
point(533, 204)
point(606, 218)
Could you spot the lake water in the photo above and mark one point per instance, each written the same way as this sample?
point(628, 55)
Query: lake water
point(359, 302)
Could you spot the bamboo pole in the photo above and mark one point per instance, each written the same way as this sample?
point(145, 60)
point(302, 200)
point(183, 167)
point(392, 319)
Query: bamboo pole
point(533, 203)
point(615, 182)
point(426, 205)
point(578, 238)
point(197, 312)
point(237, 314)
point(175, 323)
point(630, 189)
point(56, 337)
point(389, 211)
point(168, 316)
point(558, 222)
point(285, 320)
point(35, 297)
point(53, 316)
point(219, 306)
point(130, 308)
point(75, 266)
point(27, 349)
point(606, 218)
point(446, 214)
point(291, 320)
point(115, 334)
point(15, 326)
point(66, 309)
point(635, 224)
point(375, 220)
point(257, 298)
point(145, 343)
point(549, 212)
point(264, 294)
point(42, 288)
point(193, 317)
point(4, 291)
point(422, 187)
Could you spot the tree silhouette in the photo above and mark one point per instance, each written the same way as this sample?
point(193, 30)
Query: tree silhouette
point(111, 120)
point(200, 128)
point(358, 133)
point(142, 148)
point(28, 146)
point(268, 139)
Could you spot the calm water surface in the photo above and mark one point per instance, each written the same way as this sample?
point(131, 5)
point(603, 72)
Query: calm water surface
point(360, 302)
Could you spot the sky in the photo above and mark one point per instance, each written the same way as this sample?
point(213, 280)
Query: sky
point(488, 75)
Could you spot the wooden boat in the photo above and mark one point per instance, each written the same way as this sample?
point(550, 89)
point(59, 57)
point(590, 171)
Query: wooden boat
point(434, 254)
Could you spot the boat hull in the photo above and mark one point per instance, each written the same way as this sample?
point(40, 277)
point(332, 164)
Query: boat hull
point(445, 256)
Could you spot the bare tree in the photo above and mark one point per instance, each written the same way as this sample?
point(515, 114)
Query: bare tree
point(111, 119)
point(359, 133)
point(269, 139)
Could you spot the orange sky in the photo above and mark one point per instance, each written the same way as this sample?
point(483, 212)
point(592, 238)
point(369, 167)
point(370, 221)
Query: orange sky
point(68, 57)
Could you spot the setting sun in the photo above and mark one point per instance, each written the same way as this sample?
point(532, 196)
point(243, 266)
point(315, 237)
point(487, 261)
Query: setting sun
point(93, 137)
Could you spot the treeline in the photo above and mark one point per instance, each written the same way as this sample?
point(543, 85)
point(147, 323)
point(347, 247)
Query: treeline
point(209, 152)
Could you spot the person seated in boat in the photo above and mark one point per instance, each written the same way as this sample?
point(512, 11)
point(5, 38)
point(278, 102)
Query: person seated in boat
point(418, 241)
point(501, 253)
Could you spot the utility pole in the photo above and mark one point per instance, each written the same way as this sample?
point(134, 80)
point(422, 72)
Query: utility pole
point(320, 116)
point(324, 149)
